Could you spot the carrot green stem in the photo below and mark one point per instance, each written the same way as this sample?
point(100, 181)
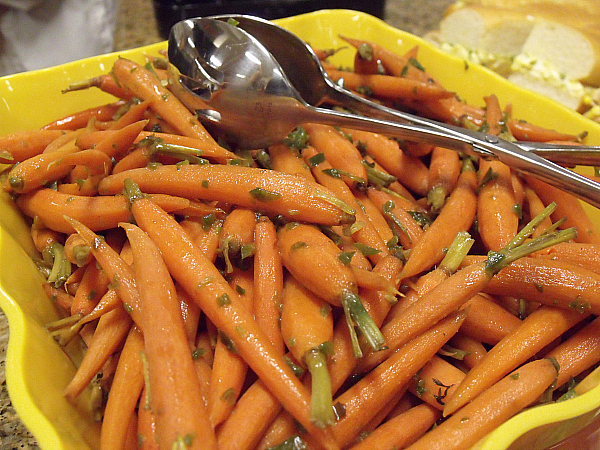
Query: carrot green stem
point(457, 251)
point(436, 197)
point(321, 405)
point(528, 229)
point(292, 443)
point(355, 309)
point(377, 177)
point(61, 267)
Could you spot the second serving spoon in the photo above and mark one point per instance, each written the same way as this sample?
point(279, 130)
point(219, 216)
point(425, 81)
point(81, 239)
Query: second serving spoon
point(227, 77)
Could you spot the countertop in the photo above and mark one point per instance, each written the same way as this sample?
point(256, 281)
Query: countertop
point(137, 26)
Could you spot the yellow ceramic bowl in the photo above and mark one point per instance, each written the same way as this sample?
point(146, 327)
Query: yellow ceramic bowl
point(37, 370)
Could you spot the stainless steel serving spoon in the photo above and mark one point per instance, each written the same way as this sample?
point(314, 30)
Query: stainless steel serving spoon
point(235, 85)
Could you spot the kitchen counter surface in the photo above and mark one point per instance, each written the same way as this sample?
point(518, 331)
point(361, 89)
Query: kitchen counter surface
point(137, 26)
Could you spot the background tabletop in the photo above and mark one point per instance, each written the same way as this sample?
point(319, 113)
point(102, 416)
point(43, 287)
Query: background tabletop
point(138, 26)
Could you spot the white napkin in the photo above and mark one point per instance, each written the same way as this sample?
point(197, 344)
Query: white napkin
point(44, 33)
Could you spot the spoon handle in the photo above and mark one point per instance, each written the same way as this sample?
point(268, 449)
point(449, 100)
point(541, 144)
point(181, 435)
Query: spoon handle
point(471, 143)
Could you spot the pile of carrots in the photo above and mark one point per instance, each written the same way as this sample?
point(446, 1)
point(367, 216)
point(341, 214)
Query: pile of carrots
point(337, 290)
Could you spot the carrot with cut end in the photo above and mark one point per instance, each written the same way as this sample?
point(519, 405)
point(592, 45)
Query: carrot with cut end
point(237, 237)
point(144, 85)
point(22, 145)
point(338, 151)
point(402, 430)
point(210, 291)
point(539, 329)
point(389, 87)
point(268, 281)
point(125, 390)
point(457, 215)
point(314, 260)
point(261, 189)
point(363, 400)
point(181, 416)
point(444, 171)
point(490, 409)
point(77, 251)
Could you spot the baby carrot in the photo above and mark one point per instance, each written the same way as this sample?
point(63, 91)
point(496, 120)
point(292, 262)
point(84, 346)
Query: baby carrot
point(315, 261)
point(487, 321)
point(237, 237)
point(105, 82)
point(497, 219)
point(206, 286)
point(580, 254)
point(81, 118)
point(125, 391)
point(578, 353)
point(92, 288)
point(268, 281)
point(146, 86)
point(472, 349)
point(525, 131)
point(228, 368)
point(146, 426)
point(436, 381)
point(444, 170)
point(390, 87)
point(261, 189)
point(409, 170)
point(534, 207)
point(493, 407)
point(567, 205)
point(287, 160)
point(338, 151)
point(22, 145)
point(307, 328)
point(97, 213)
point(402, 430)
point(539, 329)
point(456, 216)
point(181, 416)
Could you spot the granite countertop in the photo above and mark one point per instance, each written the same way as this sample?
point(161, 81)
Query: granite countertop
point(137, 26)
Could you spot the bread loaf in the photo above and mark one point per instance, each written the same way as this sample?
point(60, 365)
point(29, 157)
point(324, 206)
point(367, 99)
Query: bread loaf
point(549, 46)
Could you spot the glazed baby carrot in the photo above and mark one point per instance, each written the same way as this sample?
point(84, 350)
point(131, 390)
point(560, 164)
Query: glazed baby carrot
point(338, 151)
point(105, 82)
point(456, 216)
point(268, 281)
point(487, 321)
point(97, 213)
point(81, 118)
point(181, 416)
point(410, 171)
point(534, 207)
point(206, 286)
point(307, 329)
point(125, 391)
point(237, 237)
point(580, 254)
point(229, 369)
point(539, 329)
point(93, 286)
point(314, 260)
point(552, 282)
point(402, 430)
point(287, 160)
point(567, 205)
point(22, 145)
point(436, 381)
point(525, 131)
point(261, 189)
point(493, 407)
point(473, 350)
point(390, 87)
point(497, 218)
point(146, 429)
point(444, 170)
point(144, 85)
